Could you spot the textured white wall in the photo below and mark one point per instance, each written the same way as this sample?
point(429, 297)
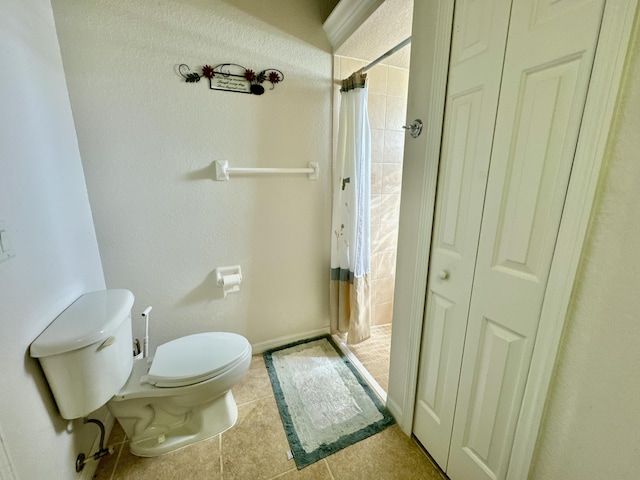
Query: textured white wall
point(387, 26)
point(44, 204)
point(148, 140)
point(591, 427)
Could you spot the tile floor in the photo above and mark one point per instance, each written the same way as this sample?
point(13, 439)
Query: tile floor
point(374, 354)
point(255, 448)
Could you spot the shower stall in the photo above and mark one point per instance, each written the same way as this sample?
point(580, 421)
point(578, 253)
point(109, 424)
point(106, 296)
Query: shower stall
point(387, 85)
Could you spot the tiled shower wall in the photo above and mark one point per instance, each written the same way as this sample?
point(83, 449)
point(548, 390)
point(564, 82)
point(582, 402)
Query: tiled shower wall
point(387, 110)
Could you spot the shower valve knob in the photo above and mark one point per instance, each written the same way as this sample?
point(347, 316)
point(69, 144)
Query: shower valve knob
point(415, 128)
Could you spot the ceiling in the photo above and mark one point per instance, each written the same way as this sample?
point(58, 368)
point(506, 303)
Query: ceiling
point(389, 25)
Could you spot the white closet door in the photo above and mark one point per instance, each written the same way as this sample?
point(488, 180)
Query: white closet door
point(478, 46)
point(549, 57)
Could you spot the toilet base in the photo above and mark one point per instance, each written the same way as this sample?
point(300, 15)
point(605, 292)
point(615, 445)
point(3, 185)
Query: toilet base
point(201, 423)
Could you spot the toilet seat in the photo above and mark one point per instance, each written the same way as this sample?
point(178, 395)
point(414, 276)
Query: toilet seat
point(196, 358)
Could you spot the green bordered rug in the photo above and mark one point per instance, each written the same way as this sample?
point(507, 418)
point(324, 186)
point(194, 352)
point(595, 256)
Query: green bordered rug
point(324, 403)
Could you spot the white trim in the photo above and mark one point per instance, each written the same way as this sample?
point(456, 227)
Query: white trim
point(262, 347)
point(601, 100)
point(395, 411)
point(346, 17)
point(427, 93)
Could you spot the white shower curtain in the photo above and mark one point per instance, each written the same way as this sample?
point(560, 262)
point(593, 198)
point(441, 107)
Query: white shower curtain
point(350, 296)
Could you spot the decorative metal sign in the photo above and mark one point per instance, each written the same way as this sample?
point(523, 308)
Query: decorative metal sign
point(230, 84)
point(232, 77)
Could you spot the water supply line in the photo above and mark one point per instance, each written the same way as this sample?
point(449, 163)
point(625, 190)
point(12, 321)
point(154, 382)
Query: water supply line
point(81, 460)
point(145, 340)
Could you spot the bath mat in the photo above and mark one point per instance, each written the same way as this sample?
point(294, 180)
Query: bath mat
point(324, 403)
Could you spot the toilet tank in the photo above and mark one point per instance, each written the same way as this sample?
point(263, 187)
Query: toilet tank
point(86, 352)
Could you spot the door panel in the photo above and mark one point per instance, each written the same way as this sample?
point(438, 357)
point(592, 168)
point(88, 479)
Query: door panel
point(472, 101)
point(474, 23)
point(534, 190)
point(544, 84)
point(462, 142)
point(431, 396)
point(498, 364)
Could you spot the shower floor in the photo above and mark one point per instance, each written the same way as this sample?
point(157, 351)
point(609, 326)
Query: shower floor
point(374, 354)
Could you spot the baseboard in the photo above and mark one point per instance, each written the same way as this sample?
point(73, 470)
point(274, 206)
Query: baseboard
point(280, 341)
point(396, 412)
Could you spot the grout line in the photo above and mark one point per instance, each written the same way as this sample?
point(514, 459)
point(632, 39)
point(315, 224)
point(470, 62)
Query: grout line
point(256, 400)
point(220, 450)
point(115, 465)
point(326, 463)
point(284, 473)
point(252, 401)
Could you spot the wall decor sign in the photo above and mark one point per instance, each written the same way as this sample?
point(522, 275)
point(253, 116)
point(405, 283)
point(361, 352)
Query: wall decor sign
point(232, 77)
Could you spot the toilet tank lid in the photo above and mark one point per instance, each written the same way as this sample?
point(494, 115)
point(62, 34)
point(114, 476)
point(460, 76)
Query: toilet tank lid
point(91, 318)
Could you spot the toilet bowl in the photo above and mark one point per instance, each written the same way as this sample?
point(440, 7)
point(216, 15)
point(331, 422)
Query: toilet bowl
point(182, 395)
point(178, 397)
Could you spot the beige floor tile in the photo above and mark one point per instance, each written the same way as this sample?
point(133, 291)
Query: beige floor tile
point(256, 448)
point(255, 384)
point(117, 435)
point(388, 455)
point(195, 462)
point(375, 353)
point(107, 464)
point(315, 471)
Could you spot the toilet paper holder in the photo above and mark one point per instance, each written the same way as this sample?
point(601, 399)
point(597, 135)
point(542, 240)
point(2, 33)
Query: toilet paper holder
point(229, 278)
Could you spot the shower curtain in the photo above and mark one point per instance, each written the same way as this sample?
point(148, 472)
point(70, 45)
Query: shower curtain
point(350, 297)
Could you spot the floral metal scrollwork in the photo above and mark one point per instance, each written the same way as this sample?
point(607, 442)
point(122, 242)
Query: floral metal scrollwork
point(232, 77)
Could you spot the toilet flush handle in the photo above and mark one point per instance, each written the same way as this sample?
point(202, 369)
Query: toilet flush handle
point(109, 341)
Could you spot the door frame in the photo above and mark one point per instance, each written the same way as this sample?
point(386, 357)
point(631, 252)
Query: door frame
point(429, 66)
point(426, 101)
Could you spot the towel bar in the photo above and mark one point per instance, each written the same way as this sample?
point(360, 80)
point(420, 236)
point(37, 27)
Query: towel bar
point(223, 170)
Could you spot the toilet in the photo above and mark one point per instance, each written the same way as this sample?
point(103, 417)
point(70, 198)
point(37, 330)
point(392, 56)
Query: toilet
point(179, 396)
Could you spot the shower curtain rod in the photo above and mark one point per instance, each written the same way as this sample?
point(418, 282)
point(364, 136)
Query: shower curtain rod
point(402, 44)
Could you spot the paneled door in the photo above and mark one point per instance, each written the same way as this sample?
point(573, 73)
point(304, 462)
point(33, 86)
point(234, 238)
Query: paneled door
point(475, 69)
point(500, 238)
